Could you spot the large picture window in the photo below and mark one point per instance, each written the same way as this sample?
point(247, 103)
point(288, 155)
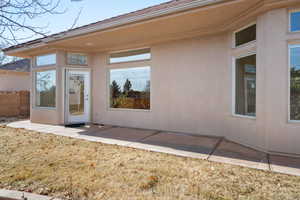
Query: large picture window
point(130, 88)
point(45, 88)
point(245, 86)
point(295, 82)
point(295, 21)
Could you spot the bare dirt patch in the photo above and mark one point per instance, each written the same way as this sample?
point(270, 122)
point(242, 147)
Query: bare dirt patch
point(76, 169)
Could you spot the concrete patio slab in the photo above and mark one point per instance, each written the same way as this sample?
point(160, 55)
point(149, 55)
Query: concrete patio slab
point(17, 195)
point(79, 133)
point(119, 133)
point(183, 142)
point(168, 150)
point(284, 164)
point(233, 153)
point(66, 131)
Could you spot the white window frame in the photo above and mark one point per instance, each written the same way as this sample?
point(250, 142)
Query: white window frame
point(240, 29)
point(128, 50)
point(34, 97)
point(233, 110)
point(108, 89)
point(290, 46)
point(290, 19)
point(36, 65)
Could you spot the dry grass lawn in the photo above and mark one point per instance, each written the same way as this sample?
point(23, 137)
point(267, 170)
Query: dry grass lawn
point(76, 169)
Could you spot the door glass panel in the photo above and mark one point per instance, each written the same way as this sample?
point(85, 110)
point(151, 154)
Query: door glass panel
point(76, 94)
point(250, 96)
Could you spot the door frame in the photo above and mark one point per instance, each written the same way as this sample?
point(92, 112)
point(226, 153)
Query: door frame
point(65, 99)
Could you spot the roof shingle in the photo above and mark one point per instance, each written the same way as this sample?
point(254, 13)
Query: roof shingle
point(22, 65)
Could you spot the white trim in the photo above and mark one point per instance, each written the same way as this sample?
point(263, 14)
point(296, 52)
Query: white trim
point(238, 30)
point(63, 89)
point(131, 49)
point(130, 109)
point(290, 20)
point(233, 111)
point(244, 116)
point(108, 89)
point(65, 98)
point(289, 82)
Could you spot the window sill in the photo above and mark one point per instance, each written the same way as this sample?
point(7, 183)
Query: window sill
point(128, 109)
point(293, 32)
point(293, 121)
point(44, 68)
point(128, 62)
point(43, 108)
point(244, 116)
point(77, 65)
point(47, 65)
point(248, 44)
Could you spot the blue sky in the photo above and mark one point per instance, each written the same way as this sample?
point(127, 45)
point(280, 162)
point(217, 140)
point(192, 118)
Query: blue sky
point(295, 22)
point(295, 58)
point(92, 11)
point(138, 77)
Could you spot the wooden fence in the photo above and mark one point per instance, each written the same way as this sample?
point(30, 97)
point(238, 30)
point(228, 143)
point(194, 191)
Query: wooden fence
point(14, 104)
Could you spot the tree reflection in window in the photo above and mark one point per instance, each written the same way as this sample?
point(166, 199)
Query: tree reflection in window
point(45, 88)
point(130, 88)
point(295, 84)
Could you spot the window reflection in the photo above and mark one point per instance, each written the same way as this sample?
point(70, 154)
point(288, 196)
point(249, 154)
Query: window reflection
point(295, 21)
point(45, 88)
point(77, 59)
point(295, 84)
point(246, 35)
point(76, 94)
point(128, 56)
point(130, 88)
point(49, 59)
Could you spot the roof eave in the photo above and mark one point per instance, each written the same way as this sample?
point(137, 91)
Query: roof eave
point(109, 25)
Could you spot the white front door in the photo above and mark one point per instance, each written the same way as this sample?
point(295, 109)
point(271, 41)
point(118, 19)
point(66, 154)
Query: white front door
point(77, 96)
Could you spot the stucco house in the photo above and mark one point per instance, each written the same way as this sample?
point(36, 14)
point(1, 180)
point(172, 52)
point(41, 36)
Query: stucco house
point(15, 76)
point(209, 67)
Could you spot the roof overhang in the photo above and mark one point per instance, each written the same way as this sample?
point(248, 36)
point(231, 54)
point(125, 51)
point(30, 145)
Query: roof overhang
point(196, 18)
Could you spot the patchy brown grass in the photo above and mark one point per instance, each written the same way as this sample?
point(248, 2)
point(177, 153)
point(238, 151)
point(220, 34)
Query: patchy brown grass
point(76, 169)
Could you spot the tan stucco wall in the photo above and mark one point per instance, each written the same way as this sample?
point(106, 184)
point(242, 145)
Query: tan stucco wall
point(191, 83)
point(182, 88)
point(282, 136)
point(191, 89)
point(14, 81)
point(205, 63)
